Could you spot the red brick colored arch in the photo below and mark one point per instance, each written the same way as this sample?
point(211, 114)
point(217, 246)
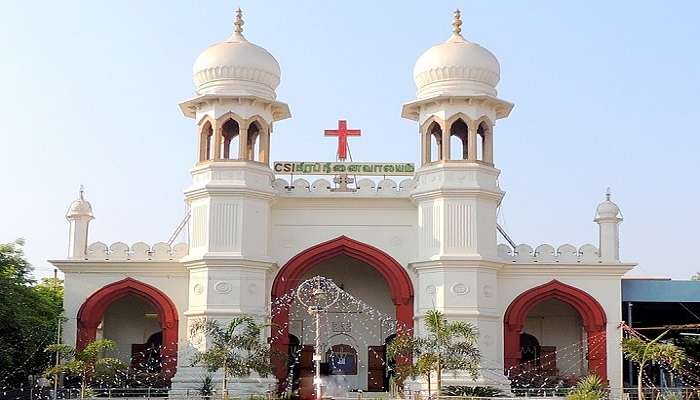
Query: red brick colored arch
point(289, 276)
point(92, 311)
point(591, 312)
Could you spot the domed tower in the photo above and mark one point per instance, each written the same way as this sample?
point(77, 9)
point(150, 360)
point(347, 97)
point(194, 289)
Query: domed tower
point(235, 109)
point(79, 216)
point(457, 190)
point(608, 217)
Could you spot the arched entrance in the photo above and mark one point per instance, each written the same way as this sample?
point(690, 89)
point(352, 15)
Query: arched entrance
point(289, 276)
point(592, 317)
point(92, 311)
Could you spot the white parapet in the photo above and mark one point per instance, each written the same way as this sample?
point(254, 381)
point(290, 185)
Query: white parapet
point(139, 251)
point(547, 254)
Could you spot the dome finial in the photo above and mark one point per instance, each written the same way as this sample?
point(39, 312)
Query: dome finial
point(238, 23)
point(457, 22)
point(82, 192)
point(607, 194)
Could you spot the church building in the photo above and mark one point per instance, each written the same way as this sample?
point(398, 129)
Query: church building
point(400, 238)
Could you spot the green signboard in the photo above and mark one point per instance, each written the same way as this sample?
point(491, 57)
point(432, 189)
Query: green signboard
point(338, 168)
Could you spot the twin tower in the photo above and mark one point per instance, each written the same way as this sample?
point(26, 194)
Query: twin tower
point(236, 108)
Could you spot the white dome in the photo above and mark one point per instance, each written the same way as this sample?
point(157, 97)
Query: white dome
point(80, 207)
point(236, 67)
point(457, 67)
point(607, 209)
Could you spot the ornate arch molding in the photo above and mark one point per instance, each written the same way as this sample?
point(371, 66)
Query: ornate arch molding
point(395, 275)
point(287, 279)
point(591, 312)
point(92, 311)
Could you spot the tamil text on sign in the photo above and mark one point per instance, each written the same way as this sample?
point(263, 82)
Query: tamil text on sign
point(336, 168)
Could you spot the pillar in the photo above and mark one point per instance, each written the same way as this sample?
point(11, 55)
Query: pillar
point(445, 144)
point(242, 142)
point(471, 140)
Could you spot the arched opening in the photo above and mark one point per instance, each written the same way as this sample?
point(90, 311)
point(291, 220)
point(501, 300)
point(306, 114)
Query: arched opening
point(480, 142)
point(230, 136)
point(152, 324)
point(435, 135)
point(342, 359)
point(364, 272)
point(293, 354)
point(458, 140)
point(529, 350)
point(549, 313)
point(205, 142)
point(132, 338)
point(390, 364)
point(485, 142)
point(253, 146)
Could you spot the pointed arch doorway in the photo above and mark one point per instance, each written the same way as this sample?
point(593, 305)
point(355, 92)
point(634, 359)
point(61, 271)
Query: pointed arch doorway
point(92, 312)
point(591, 313)
point(394, 274)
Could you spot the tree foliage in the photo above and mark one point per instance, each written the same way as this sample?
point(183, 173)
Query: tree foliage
point(238, 348)
point(447, 346)
point(641, 351)
point(29, 315)
point(88, 364)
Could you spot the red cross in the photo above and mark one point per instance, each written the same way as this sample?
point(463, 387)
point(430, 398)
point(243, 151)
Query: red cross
point(342, 133)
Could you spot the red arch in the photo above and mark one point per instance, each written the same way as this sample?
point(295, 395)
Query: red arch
point(289, 276)
point(591, 312)
point(91, 313)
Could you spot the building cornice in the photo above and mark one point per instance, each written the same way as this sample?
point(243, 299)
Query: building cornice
point(456, 262)
point(412, 110)
point(140, 267)
point(278, 109)
point(209, 261)
point(572, 269)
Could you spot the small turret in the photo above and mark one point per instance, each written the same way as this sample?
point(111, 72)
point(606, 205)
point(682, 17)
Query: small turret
point(79, 216)
point(608, 217)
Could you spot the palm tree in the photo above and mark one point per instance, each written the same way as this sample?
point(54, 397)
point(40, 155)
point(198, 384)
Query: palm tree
point(87, 362)
point(238, 349)
point(590, 387)
point(642, 351)
point(447, 346)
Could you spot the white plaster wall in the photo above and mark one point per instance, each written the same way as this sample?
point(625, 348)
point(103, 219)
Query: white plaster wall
point(388, 224)
point(555, 323)
point(126, 322)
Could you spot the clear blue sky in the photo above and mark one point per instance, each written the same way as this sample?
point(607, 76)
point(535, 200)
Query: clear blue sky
point(605, 94)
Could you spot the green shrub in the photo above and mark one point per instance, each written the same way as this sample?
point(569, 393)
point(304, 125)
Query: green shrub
point(590, 387)
point(472, 391)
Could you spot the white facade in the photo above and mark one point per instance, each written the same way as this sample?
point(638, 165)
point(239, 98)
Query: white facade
point(440, 224)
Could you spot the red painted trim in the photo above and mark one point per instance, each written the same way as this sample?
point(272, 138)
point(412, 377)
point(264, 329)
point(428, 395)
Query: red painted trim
point(289, 276)
point(93, 309)
point(592, 316)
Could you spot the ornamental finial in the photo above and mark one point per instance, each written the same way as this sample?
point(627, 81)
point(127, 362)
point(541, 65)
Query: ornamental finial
point(82, 192)
point(238, 23)
point(457, 22)
point(607, 194)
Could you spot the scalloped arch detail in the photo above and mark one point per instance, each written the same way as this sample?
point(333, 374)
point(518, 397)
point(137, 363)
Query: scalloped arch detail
point(591, 312)
point(92, 311)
